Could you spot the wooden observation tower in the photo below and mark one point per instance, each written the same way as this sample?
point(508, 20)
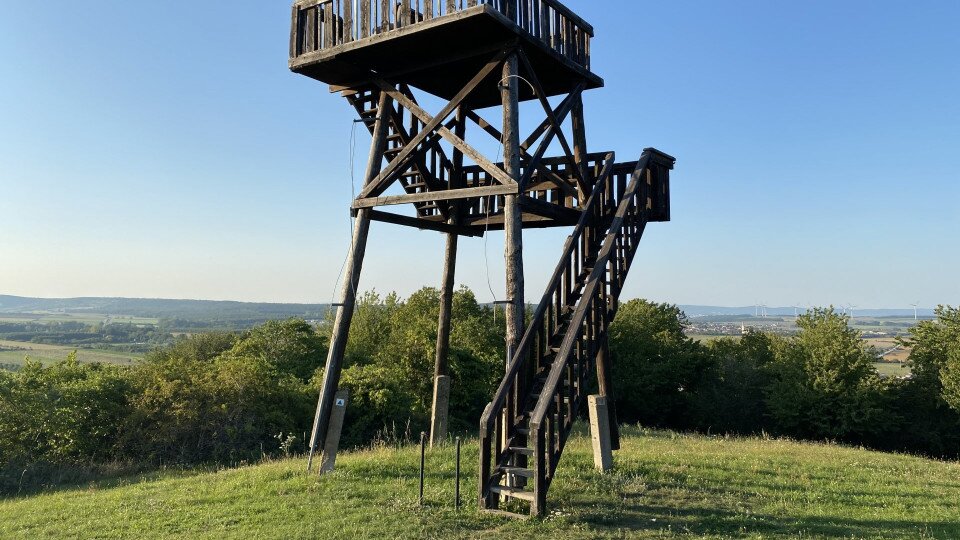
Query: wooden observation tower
point(486, 54)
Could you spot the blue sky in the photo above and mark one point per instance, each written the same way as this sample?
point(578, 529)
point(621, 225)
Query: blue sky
point(163, 149)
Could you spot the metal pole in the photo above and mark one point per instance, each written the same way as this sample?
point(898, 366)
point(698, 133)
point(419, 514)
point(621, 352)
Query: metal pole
point(423, 453)
point(457, 505)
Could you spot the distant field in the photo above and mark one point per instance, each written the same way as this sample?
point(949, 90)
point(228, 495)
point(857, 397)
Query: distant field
point(892, 369)
point(13, 352)
point(86, 318)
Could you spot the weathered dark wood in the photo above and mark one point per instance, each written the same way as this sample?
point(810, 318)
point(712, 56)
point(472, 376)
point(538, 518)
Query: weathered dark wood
point(457, 142)
point(379, 184)
point(423, 224)
point(513, 241)
point(605, 380)
point(541, 95)
point(434, 196)
point(348, 294)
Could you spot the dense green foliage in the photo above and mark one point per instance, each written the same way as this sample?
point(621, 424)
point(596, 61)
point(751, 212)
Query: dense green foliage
point(232, 397)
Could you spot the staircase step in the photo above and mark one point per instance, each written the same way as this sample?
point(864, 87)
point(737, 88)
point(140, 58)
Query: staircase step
point(522, 450)
point(515, 493)
point(517, 471)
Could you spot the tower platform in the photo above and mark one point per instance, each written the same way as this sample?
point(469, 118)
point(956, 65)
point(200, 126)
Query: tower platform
point(439, 45)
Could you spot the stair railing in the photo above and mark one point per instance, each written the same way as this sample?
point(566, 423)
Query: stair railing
point(562, 395)
point(503, 413)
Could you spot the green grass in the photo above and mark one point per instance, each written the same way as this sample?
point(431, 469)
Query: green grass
point(892, 369)
point(665, 486)
point(14, 352)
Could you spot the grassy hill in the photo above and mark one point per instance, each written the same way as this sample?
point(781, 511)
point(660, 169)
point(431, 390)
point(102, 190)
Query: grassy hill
point(665, 486)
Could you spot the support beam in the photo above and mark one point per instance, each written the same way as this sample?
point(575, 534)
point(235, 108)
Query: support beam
point(348, 294)
point(423, 224)
point(605, 378)
point(331, 445)
point(441, 372)
point(513, 214)
point(432, 196)
point(431, 123)
point(600, 433)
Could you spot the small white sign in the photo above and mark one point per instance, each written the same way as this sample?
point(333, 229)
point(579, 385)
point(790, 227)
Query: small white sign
point(341, 402)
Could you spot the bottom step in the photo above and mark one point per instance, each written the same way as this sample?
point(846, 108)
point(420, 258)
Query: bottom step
point(515, 493)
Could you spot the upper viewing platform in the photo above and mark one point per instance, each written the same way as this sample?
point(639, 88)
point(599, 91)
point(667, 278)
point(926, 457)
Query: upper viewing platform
point(439, 45)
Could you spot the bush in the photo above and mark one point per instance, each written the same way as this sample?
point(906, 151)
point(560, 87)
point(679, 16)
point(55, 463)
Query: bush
point(657, 369)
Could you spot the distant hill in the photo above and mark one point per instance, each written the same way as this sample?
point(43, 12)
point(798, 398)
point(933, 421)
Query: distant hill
point(162, 308)
point(705, 311)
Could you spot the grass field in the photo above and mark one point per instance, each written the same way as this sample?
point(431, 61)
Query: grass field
point(665, 486)
point(13, 352)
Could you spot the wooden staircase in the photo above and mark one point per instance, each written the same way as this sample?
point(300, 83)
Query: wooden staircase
point(524, 429)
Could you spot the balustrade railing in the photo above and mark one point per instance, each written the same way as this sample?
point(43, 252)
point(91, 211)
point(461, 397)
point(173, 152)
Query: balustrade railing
point(324, 24)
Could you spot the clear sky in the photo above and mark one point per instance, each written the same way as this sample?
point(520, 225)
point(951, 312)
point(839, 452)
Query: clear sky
point(163, 149)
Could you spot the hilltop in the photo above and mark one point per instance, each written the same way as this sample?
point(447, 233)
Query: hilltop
point(666, 486)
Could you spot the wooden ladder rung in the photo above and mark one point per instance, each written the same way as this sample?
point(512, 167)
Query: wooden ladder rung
point(514, 493)
point(517, 471)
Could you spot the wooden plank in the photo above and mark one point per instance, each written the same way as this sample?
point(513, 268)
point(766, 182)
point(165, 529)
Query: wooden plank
point(427, 9)
point(347, 21)
point(294, 32)
point(556, 212)
point(433, 196)
point(423, 224)
point(365, 18)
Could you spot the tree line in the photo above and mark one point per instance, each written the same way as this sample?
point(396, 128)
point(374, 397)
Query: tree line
point(229, 398)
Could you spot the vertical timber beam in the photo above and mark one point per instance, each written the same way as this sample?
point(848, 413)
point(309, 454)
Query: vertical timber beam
point(513, 215)
point(441, 403)
point(580, 139)
point(348, 294)
point(605, 379)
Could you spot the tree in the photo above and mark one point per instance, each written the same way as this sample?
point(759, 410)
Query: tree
point(824, 383)
point(657, 368)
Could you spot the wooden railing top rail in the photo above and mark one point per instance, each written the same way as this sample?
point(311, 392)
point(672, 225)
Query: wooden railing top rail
point(516, 363)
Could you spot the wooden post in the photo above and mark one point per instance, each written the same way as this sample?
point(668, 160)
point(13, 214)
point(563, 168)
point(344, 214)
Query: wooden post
point(605, 378)
point(441, 408)
point(348, 294)
point(513, 215)
point(580, 140)
point(600, 433)
point(332, 441)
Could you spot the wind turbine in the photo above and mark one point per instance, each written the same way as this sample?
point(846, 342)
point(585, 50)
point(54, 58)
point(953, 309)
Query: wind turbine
point(915, 316)
point(852, 315)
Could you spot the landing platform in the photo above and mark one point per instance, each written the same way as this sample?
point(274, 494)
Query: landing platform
point(442, 53)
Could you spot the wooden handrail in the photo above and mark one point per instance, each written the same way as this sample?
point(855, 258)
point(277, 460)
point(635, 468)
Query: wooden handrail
point(589, 295)
point(517, 362)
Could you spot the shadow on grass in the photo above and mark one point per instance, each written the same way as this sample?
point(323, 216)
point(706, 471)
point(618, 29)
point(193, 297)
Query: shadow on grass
point(728, 523)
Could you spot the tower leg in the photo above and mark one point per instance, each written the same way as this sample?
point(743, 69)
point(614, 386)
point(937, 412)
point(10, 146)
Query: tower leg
point(348, 294)
point(441, 376)
point(606, 391)
point(513, 216)
point(441, 379)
